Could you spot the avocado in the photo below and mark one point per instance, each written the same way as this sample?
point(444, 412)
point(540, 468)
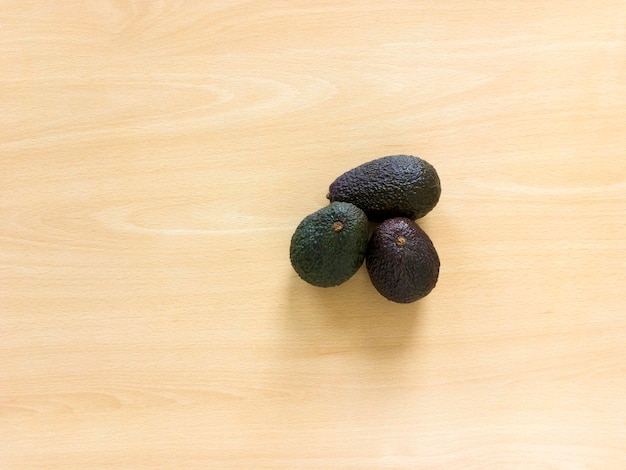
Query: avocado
point(329, 246)
point(401, 260)
point(392, 186)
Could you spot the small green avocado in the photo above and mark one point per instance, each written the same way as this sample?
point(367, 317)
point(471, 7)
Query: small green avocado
point(401, 261)
point(392, 186)
point(329, 246)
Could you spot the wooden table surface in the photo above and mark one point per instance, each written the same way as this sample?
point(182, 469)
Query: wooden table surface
point(156, 157)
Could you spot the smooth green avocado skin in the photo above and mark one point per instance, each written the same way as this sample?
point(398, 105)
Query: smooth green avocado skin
point(392, 186)
point(324, 257)
point(405, 273)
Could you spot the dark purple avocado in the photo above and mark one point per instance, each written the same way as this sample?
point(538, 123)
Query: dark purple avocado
point(401, 260)
point(392, 186)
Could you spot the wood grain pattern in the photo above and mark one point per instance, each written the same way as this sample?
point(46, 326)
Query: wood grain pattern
point(156, 157)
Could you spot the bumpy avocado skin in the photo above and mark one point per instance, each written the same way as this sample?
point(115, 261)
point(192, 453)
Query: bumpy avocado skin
point(402, 262)
point(322, 253)
point(392, 186)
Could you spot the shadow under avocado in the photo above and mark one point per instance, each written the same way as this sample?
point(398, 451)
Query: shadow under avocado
point(352, 317)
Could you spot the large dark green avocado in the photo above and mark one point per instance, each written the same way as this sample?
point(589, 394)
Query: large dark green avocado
point(329, 246)
point(401, 261)
point(392, 186)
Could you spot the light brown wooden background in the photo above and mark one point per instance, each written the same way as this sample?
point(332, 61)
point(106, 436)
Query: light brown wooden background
point(156, 157)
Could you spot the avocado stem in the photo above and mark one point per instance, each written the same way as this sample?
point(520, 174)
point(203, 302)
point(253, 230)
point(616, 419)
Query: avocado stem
point(400, 241)
point(337, 226)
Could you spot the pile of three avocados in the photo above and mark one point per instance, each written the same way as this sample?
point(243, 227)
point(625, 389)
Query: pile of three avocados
point(329, 246)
